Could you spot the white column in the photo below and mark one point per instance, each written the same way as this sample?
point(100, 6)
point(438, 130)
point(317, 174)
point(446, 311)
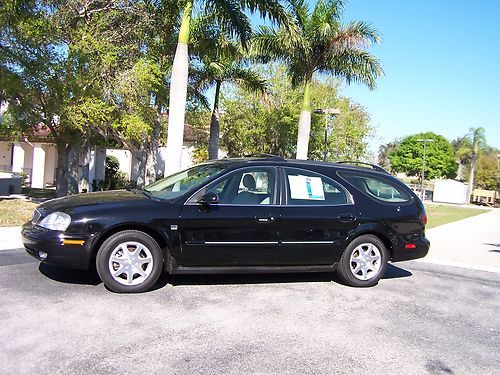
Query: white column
point(38, 173)
point(17, 158)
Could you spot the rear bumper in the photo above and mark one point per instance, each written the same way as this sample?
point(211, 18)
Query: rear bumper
point(39, 240)
point(401, 253)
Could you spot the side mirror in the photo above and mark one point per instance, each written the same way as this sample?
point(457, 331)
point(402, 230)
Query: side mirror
point(209, 198)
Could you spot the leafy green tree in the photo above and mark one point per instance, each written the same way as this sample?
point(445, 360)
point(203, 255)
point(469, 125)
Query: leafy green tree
point(487, 171)
point(88, 71)
point(253, 124)
point(383, 154)
point(232, 15)
point(440, 159)
point(318, 43)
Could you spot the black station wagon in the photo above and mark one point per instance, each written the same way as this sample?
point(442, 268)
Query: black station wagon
point(254, 214)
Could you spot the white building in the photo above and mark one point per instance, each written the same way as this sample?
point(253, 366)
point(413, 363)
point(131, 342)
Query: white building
point(38, 160)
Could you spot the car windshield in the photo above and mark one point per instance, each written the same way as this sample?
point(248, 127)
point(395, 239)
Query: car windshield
point(177, 184)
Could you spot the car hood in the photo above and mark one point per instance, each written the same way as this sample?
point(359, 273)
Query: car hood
point(92, 199)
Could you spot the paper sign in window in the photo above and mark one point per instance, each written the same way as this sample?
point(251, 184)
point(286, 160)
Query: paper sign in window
point(305, 187)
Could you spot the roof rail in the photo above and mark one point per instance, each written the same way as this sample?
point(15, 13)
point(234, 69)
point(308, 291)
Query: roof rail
point(268, 156)
point(374, 166)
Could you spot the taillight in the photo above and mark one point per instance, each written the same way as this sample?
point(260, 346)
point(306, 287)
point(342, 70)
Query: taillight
point(423, 219)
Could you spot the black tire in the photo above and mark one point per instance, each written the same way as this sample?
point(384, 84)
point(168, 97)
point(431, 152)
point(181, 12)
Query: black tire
point(345, 267)
point(120, 283)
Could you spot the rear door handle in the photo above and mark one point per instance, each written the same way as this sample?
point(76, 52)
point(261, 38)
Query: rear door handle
point(346, 218)
point(264, 220)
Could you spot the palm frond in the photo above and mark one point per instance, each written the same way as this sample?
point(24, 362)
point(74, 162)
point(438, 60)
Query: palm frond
point(354, 65)
point(268, 9)
point(231, 18)
point(249, 79)
point(327, 11)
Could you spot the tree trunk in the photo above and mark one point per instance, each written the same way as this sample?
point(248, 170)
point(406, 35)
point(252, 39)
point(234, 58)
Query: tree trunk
point(470, 188)
point(73, 162)
point(178, 94)
point(139, 166)
point(84, 178)
point(62, 171)
point(213, 146)
point(304, 124)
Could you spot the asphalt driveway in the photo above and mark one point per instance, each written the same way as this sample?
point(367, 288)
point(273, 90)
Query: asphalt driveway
point(421, 318)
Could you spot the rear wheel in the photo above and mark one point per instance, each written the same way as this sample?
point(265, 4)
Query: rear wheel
point(129, 261)
point(363, 262)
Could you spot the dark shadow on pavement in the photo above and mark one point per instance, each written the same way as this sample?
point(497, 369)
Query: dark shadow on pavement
point(495, 245)
point(394, 272)
point(70, 276)
point(90, 277)
point(262, 278)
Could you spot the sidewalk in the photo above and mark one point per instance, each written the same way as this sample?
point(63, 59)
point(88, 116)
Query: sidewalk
point(472, 243)
point(10, 238)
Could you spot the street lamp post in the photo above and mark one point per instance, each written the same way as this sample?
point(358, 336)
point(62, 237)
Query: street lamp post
point(422, 191)
point(327, 112)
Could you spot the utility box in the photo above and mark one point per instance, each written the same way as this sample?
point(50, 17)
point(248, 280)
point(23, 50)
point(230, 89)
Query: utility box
point(10, 184)
point(450, 191)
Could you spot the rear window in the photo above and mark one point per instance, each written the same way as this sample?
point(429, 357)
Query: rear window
point(378, 188)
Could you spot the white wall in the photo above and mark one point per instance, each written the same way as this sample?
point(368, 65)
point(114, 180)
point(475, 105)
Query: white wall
point(5, 155)
point(124, 157)
point(50, 163)
point(28, 155)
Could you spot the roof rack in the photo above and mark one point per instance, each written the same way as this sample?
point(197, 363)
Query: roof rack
point(267, 156)
point(374, 166)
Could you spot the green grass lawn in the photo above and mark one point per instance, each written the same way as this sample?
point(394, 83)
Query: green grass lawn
point(441, 214)
point(15, 212)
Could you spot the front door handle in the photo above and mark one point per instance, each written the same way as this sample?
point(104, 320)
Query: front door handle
point(264, 220)
point(346, 218)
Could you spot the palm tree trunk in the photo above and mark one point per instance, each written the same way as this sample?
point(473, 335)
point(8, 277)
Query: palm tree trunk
point(213, 146)
point(178, 94)
point(304, 123)
point(470, 188)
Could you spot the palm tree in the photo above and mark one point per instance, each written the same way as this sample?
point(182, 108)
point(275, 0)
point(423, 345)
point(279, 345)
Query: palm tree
point(223, 60)
point(231, 14)
point(477, 141)
point(319, 44)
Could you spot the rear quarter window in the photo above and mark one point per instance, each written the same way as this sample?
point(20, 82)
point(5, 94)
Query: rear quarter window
point(377, 187)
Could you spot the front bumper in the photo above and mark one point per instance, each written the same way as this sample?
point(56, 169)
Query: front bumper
point(61, 249)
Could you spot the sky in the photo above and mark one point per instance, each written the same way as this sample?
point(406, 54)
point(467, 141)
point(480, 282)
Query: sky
point(442, 67)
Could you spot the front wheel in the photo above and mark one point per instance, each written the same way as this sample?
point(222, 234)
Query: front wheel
point(363, 262)
point(129, 261)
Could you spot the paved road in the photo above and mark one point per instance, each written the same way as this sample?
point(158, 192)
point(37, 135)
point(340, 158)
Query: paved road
point(420, 319)
point(472, 243)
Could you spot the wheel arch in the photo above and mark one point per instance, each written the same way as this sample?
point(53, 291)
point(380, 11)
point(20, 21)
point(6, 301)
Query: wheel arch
point(377, 233)
point(156, 235)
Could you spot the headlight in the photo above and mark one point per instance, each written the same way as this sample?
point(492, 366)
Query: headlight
point(56, 221)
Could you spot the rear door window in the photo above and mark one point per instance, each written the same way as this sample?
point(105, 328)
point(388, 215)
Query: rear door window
point(377, 187)
point(307, 188)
